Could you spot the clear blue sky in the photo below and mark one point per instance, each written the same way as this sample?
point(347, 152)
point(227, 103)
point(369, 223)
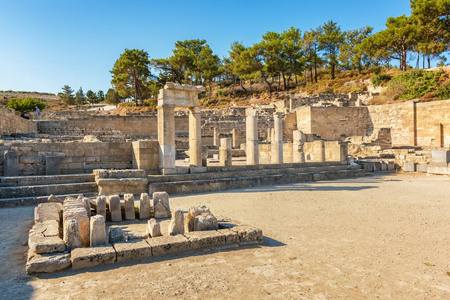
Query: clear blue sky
point(45, 44)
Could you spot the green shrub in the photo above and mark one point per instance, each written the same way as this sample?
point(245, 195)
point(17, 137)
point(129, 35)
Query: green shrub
point(127, 104)
point(379, 79)
point(25, 105)
point(443, 92)
point(412, 84)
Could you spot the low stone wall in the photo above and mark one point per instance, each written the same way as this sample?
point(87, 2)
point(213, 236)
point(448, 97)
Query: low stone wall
point(10, 123)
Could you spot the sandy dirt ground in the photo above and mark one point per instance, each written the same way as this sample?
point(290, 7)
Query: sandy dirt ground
point(383, 236)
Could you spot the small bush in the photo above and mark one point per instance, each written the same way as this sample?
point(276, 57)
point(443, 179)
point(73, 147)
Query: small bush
point(380, 79)
point(412, 84)
point(443, 92)
point(25, 105)
point(127, 104)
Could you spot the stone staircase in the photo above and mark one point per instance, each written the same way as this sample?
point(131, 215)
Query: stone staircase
point(235, 177)
point(27, 190)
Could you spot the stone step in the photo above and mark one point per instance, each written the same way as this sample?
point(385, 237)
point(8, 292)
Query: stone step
point(247, 172)
point(45, 180)
point(220, 184)
point(22, 201)
point(45, 190)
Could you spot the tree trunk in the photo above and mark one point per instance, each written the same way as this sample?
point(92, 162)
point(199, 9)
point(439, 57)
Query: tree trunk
point(209, 92)
point(418, 60)
point(242, 85)
point(311, 75)
point(315, 63)
point(284, 81)
point(332, 71)
point(429, 60)
point(135, 90)
point(268, 84)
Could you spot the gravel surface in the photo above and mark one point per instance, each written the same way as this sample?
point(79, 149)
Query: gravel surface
point(383, 236)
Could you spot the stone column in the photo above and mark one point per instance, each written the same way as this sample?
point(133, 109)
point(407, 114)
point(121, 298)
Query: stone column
point(225, 154)
point(10, 164)
point(216, 137)
point(269, 135)
point(235, 137)
point(251, 125)
point(319, 147)
point(277, 139)
point(166, 139)
point(343, 147)
point(298, 142)
point(97, 232)
point(195, 137)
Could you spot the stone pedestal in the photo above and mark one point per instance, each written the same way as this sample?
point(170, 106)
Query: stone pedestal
point(114, 208)
point(216, 137)
point(166, 139)
point(98, 232)
point(234, 136)
point(129, 207)
point(195, 137)
point(100, 203)
point(343, 147)
point(225, 154)
point(10, 164)
point(145, 155)
point(277, 139)
point(251, 125)
point(52, 165)
point(298, 142)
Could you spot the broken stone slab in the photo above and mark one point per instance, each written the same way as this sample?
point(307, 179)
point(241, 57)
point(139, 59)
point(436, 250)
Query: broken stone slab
point(53, 199)
point(87, 205)
point(42, 244)
point(144, 206)
point(153, 228)
point(46, 228)
point(100, 206)
point(98, 232)
point(129, 207)
point(115, 234)
point(92, 257)
point(113, 203)
point(205, 221)
point(72, 234)
point(201, 239)
point(48, 211)
point(80, 215)
point(176, 225)
point(193, 212)
point(132, 250)
point(161, 211)
point(48, 263)
point(247, 233)
point(231, 237)
point(168, 244)
point(161, 197)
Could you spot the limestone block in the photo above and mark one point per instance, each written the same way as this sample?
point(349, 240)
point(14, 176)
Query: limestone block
point(161, 197)
point(201, 239)
point(100, 203)
point(162, 245)
point(409, 167)
point(72, 234)
point(176, 225)
point(161, 211)
point(42, 244)
point(92, 257)
point(144, 206)
point(86, 204)
point(231, 237)
point(129, 207)
point(98, 233)
point(205, 221)
point(48, 263)
point(113, 203)
point(132, 250)
point(193, 212)
point(115, 234)
point(153, 228)
point(52, 165)
point(46, 228)
point(10, 163)
point(80, 215)
point(247, 234)
point(54, 199)
point(422, 168)
point(48, 211)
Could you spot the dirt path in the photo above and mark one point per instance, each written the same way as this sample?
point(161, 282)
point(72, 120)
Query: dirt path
point(384, 237)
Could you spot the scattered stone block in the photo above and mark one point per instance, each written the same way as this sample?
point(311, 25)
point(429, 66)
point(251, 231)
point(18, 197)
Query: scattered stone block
point(144, 206)
point(42, 244)
point(113, 203)
point(129, 207)
point(115, 234)
point(48, 211)
point(100, 204)
point(161, 197)
point(409, 167)
point(53, 199)
point(153, 228)
point(193, 212)
point(72, 234)
point(422, 168)
point(79, 214)
point(168, 244)
point(46, 228)
point(92, 257)
point(48, 263)
point(201, 239)
point(161, 211)
point(205, 221)
point(87, 206)
point(132, 250)
point(247, 234)
point(98, 233)
point(176, 225)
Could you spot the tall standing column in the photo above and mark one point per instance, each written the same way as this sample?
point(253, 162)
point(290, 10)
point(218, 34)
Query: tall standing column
point(225, 153)
point(277, 140)
point(298, 142)
point(216, 137)
point(235, 137)
point(251, 125)
point(166, 139)
point(195, 137)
